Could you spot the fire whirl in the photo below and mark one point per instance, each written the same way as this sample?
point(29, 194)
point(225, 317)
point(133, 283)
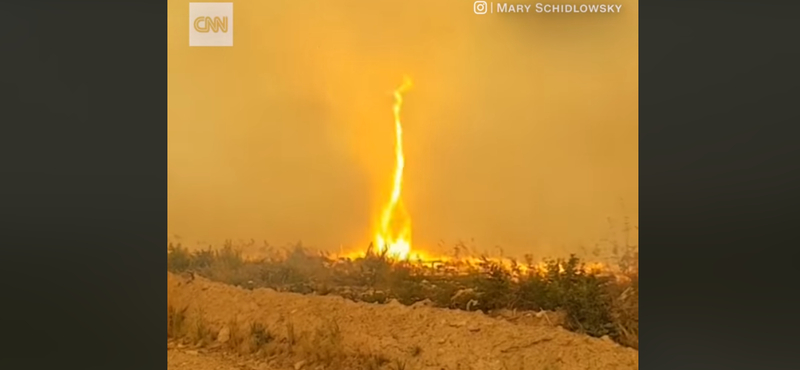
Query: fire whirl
point(393, 237)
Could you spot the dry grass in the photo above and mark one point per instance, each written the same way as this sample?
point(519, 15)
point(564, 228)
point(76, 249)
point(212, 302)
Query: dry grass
point(170, 308)
point(176, 320)
point(625, 313)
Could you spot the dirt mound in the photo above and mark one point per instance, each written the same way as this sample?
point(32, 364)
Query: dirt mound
point(311, 330)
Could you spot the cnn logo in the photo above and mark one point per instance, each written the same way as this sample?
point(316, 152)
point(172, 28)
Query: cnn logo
point(210, 24)
point(205, 24)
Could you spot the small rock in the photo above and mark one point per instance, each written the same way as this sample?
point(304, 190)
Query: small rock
point(299, 365)
point(474, 328)
point(463, 292)
point(441, 341)
point(224, 335)
point(192, 352)
point(423, 303)
point(606, 338)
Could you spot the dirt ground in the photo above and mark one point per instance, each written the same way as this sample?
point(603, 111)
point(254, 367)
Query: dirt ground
point(184, 359)
point(318, 328)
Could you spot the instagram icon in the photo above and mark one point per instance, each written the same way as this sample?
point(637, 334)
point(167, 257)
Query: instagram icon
point(479, 7)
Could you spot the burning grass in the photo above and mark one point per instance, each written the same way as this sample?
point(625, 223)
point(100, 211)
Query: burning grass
point(593, 300)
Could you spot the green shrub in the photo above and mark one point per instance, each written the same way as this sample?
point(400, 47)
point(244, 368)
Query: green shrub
point(178, 258)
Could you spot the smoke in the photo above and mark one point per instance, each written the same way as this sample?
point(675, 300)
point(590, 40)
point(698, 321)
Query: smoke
point(521, 130)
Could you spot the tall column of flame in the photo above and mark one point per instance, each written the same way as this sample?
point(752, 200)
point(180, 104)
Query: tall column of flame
point(394, 234)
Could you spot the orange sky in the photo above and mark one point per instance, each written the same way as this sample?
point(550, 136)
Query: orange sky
point(521, 130)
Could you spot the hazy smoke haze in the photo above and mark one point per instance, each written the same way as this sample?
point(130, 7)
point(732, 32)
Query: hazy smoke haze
point(520, 131)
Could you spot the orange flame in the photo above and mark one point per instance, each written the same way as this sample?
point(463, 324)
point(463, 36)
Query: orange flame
point(394, 235)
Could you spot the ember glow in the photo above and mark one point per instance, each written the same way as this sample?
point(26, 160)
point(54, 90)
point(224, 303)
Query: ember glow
point(394, 232)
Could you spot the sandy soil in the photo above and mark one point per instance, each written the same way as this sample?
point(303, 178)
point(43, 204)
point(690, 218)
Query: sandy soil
point(420, 337)
point(178, 359)
point(199, 359)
